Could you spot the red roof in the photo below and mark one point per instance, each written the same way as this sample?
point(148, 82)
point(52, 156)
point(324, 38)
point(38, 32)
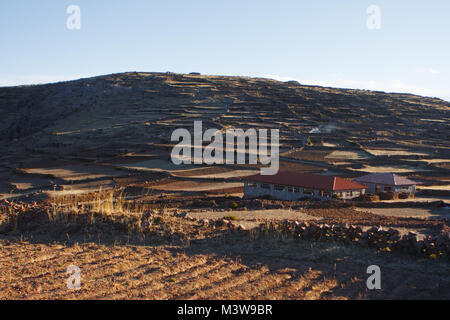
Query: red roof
point(307, 180)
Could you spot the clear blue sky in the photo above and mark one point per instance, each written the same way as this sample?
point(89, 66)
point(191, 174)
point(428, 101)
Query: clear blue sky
point(314, 42)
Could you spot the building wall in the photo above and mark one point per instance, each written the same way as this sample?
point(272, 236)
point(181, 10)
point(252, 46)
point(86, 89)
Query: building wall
point(372, 188)
point(351, 194)
point(258, 191)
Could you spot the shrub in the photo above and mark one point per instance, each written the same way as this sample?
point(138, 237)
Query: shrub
point(230, 218)
point(387, 196)
point(369, 197)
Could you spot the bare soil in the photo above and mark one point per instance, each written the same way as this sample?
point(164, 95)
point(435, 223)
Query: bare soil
point(205, 264)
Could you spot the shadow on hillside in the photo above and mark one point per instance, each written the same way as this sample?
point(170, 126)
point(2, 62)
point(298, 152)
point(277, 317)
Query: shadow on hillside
point(280, 254)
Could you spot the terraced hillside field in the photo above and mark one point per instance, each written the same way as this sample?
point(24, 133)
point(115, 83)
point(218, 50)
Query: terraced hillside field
point(86, 134)
point(121, 111)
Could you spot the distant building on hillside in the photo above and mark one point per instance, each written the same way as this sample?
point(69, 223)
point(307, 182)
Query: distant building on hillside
point(387, 182)
point(293, 186)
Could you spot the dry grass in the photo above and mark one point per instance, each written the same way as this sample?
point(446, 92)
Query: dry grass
point(106, 202)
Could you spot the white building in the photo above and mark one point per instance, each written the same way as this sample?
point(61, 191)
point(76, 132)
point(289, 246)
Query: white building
point(387, 182)
point(294, 186)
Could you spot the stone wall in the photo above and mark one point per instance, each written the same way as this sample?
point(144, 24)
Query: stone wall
point(376, 237)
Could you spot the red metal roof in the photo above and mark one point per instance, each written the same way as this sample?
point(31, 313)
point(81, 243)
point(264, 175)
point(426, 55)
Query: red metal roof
point(307, 180)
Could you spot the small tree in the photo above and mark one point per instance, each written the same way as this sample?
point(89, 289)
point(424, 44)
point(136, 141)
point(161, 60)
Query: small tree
point(337, 196)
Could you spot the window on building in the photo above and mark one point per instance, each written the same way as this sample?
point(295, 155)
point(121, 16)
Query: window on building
point(265, 186)
point(279, 187)
point(348, 194)
point(308, 191)
point(297, 190)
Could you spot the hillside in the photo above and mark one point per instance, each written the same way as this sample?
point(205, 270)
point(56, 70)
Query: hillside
point(108, 115)
point(86, 180)
point(130, 116)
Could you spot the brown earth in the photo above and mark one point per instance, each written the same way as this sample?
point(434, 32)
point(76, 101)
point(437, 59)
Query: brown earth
point(182, 259)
